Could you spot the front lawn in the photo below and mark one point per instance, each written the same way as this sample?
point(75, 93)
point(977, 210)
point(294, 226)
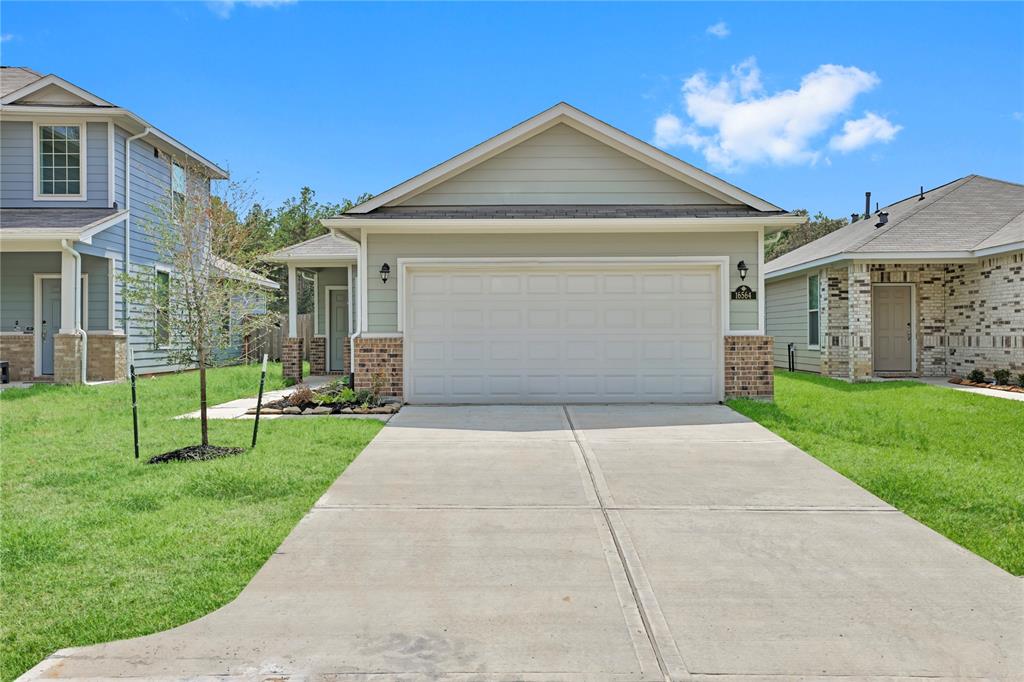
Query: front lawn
point(97, 546)
point(952, 460)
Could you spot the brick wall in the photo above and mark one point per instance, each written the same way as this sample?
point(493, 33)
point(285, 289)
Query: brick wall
point(107, 357)
point(318, 355)
point(291, 358)
point(835, 322)
point(379, 355)
point(985, 314)
point(19, 350)
point(748, 367)
point(67, 359)
point(861, 362)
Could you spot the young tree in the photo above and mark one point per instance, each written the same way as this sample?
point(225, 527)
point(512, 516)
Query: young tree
point(205, 302)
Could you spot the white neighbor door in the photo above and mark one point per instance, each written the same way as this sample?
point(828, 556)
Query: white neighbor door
point(552, 333)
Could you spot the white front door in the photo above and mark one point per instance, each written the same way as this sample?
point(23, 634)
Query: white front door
point(552, 333)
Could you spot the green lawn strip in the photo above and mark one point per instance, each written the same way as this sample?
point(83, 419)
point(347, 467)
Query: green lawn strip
point(96, 546)
point(950, 459)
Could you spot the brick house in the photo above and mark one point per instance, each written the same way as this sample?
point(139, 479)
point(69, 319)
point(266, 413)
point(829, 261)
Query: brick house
point(932, 285)
point(560, 261)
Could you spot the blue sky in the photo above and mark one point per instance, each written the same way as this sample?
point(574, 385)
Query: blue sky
point(806, 105)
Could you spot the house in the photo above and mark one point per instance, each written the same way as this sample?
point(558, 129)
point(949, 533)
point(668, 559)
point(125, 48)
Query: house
point(932, 285)
point(80, 179)
point(559, 261)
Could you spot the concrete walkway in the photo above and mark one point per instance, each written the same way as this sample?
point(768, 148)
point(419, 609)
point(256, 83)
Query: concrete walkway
point(593, 543)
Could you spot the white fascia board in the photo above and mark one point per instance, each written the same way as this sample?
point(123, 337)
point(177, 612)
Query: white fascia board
point(887, 257)
point(1002, 248)
point(525, 225)
point(79, 234)
point(135, 124)
point(564, 113)
point(317, 262)
point(53, 79)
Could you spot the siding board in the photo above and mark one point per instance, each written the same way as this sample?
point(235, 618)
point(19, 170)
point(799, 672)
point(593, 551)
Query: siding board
point(786, 321)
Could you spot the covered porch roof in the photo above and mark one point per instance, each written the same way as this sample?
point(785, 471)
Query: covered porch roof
point(39, 224)
point(325, 251)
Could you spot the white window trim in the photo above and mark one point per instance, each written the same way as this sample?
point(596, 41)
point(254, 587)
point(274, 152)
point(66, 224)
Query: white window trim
point(170, 277)
point(37, 170)
point(808, 310)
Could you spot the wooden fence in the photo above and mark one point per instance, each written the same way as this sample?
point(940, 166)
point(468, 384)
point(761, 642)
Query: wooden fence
point(271, 340)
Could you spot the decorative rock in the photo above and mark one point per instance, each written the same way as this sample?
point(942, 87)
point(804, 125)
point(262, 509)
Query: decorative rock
point(387, 409)
point(308, 410)
point(323, 409)
point(346, 410)
point(270, 410)
point(291, 410)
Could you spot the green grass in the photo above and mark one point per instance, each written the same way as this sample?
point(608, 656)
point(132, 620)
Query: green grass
point(97, 546)
point(950, 459)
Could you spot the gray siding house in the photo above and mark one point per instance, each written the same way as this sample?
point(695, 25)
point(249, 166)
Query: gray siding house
point(79, 177)
point(561, 260)
point(932, 285)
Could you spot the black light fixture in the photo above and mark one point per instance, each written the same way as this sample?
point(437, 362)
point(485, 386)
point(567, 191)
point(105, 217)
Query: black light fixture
point(743, 269)
point(385, 271)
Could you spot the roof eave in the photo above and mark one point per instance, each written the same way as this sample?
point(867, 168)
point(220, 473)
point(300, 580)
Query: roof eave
point(770, 223)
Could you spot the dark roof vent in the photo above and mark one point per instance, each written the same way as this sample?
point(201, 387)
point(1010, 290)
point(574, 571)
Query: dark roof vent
point(867, 204)
point(883, 218)
point(854, 217)
point(921, 196)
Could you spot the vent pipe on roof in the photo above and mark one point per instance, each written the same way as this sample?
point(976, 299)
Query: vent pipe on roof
point(921, 197)
point(854, 217)
point(883, 218)
point(867, 204)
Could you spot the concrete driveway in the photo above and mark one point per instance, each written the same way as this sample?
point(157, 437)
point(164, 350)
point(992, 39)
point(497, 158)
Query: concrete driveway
point(594, 543)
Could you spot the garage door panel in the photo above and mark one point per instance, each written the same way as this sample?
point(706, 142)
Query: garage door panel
point(583, 335)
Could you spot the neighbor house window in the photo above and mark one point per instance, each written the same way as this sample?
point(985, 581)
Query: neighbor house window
point(177, 186)
point(60, 161)
point(813, 313)
point(162, 312)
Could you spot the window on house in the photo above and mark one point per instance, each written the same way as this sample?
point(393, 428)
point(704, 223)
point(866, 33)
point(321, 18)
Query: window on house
point(60, 161)
point(813, 313)
point(162, 312)
point(178, 186)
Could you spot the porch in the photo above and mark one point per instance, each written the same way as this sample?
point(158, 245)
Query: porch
point(321, 280)
point(57, 317)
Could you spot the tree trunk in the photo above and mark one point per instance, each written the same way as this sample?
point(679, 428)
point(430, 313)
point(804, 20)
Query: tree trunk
point(202, 399)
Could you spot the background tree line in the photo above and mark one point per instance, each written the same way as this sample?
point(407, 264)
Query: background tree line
point(785, 241)
point(296, 220)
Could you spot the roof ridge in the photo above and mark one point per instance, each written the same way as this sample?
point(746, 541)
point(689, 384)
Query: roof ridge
point(875, 234)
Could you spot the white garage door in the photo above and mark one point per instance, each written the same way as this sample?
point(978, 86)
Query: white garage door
point(551, 333)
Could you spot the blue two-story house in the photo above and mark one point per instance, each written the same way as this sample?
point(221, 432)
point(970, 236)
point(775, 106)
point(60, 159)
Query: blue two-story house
point(79, 177)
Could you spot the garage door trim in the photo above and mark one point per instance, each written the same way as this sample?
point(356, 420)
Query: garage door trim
point(612, 262)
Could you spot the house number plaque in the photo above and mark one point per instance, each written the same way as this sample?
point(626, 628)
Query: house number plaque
point(744, 293)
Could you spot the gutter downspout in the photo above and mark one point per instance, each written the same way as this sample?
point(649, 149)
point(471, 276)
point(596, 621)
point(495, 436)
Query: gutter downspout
point(66, 247)
point(125, 319)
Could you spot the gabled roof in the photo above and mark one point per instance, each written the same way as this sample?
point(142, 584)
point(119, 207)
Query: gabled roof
point(226, 268)
point(563, 113)
point(966, 218)
point(327, 247)
point(24, 91)
point(78, 224)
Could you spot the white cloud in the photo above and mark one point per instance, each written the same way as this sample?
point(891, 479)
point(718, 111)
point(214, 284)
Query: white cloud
point(864, 131)
point(224, 8)
point(6, 37)
point(734, 122)
point(719, 30)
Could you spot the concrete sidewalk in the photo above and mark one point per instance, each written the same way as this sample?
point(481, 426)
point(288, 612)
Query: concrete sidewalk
point(593, 543)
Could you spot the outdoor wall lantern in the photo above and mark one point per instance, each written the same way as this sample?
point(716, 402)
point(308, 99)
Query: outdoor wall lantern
point(385, 271)
point(742, 267)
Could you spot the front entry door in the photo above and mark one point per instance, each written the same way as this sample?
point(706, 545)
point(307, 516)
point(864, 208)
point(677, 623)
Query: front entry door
point(892, 328)
point(338, 330)
point(50, 321)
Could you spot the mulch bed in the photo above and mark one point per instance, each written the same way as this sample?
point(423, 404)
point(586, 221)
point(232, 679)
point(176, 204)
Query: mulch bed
point(996, 387)
point(195, 453)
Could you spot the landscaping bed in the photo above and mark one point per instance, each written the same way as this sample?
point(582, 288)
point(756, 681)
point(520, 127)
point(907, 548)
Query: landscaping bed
point(333, 398)
point(1000, 382)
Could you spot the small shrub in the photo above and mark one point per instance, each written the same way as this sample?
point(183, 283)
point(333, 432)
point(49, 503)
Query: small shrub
point(1002, 376)
point(977, 376)
point(1020, 380)
point(362, 397)
point(301, 395)
point(377, 383)
point(347, 395)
